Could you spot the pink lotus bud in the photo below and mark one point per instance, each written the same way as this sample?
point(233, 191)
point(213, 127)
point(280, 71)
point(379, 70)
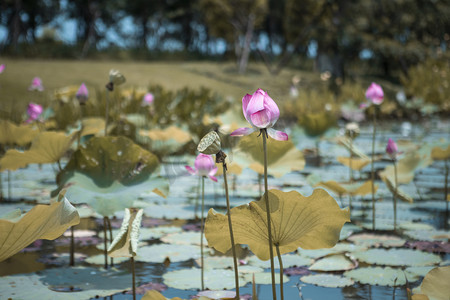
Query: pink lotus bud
point(375, 94)
point(2, 68)
point(36, 85)
point(34, 111)
point(392, 149)
point(148, 99)
point(261, 112)
point(82, 94)
point(204, 166)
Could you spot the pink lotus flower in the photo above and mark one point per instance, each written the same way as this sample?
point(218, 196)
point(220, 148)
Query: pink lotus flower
point(36, 85)
point(375, 94)
point(34, 111)
point(392, 149)
point(2, 68)
point(204, 166)
point(262, 113)
point(147, 99)
point(82, 94)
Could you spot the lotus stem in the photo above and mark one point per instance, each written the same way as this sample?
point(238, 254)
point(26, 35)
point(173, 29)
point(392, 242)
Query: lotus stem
point(269, 222)
point(233, 249)
point(351, 173)
point(260, 185)
point(105, 239)
point(9, 186)
point(133, 272)
point(281, 271)
point(395, 196)
point(446, 193)
point(72, 246)
point(108, 221)
point(202, 229)
point(1, 187)
point(372, 172)
point(106, 112)
point(59, 165)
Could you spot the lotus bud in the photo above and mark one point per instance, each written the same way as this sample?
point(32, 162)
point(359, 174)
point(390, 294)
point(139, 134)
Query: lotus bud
point(147, 99)
point(375, 94)
point(352, 130)
point(36, 85)
point(115, 78)
point(34, 111)
point(2, 68)
point(82, 94)
point(392, 149)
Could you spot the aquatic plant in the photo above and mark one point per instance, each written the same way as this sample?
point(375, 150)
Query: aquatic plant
point(36, 85)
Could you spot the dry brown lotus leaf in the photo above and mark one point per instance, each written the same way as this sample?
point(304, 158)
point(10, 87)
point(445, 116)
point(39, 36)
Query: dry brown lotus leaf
point(356, 163)
point(438, 153)
point(12, 134)
point(155, 295)
point(333, 186)
point(349, 189)
point(297, 221)
point(125, 243)
point(406, 167)
point(390, 183)
point(47, 147)
point(166, 134)
point(232, 168)
point(436, 285)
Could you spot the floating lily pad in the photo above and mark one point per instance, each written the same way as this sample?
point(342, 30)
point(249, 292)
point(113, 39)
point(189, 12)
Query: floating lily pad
point(336, 262)
point(326, 280)
point(397, 257)
point(184, 238)
point(348, 229)
point(172, 211)
point(376, 240)
point(158, 253)
point(339, 248)
point(380, 276)
point(215, 279)
point(429, 235)
point(289, 260)
point(100, 259)
point(415, 226)
point(217, 262)
point(419, 271)
point(265, 278)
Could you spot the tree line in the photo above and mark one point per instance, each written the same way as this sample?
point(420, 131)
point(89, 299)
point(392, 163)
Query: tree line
point(396, 34)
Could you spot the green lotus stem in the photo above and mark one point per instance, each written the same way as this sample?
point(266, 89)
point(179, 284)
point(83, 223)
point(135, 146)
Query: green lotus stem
point(106, 112)
point(59, 165)
point(9, 185)
point(446, 193)
point(105, 239)
point(233, 249)
point(72, 246)
point(395, 196)
point(202, 229)
point(372, 172)
point(133, 272)
point(108, 221)
point(281, 271)
point(351, 173)
point(260, 185)
point(269, 222)
point(1, 187)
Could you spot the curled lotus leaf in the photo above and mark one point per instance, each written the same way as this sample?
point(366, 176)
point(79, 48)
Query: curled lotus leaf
point(41, 222)
point(12, 134)
point(282, 156)
point(355, 163)
point(390, 183)
point(111, 159)
point(345, 141)
point(435, 284)
point(297, 221)
point(93, 126)
point(406, 167)
point(46, 147)
point(354, 189)
point(125, 243)
point(335, 262)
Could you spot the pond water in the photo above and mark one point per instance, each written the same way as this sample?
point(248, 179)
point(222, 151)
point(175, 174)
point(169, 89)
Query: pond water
point(33, 184)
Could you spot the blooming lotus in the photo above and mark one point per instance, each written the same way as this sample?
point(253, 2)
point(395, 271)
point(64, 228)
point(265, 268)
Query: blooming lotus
point(147, 99)
point(204, 166)
point(2, 68)
point(82, 94)
point(374, 95)
point(262, 113)
point(34, 111)
point(36, 85)
point(392, 149)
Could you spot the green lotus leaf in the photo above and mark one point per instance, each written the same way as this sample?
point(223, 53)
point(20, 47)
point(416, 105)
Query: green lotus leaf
point(390, 183)
point(326, 280)
point(159, 252)
point(338, 249)
point(406, 167)
point(420, 271)
point(172, 211)
point(99, 259)
point(381, 276)
point(93, 126)
point(12, 134)
point(397, 257)
point(46, 147)
point(265, 278)
point(435, 284)
point(355, 163)
point(309, 222)
point(376, 240)
point(125, 243)
point(87, 282)
point(348, 230)
point(415, 226)
point(183, 238)
point(282, 156)
point(429, 235)
point(111, 159)
point(215, 279)
point(355, 189)
point(289, 260)
point(41, 222)
point(335, 262)
point(316, 124)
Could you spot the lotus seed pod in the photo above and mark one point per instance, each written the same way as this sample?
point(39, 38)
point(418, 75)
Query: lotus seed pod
point(210, 143)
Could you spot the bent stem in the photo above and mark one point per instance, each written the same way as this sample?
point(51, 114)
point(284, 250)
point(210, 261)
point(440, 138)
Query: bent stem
point(269, 222)
point(281, 271)
point(202, 229)
point(110, 237)
point(395, 196)
point(372, 172)
point(236, 276)
point(105, 239)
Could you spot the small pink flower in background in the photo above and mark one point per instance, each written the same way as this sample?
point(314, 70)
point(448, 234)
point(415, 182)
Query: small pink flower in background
point(2, 68)
point(261, 112)
point(375, 94)
point(36, 85)
point(82, 94)
point(392, 149)
point(147, 99)
point(204, 166)
point(34, 111)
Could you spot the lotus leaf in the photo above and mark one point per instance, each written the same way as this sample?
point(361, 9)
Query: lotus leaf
point(326, 280)
point(183, 238)
point(91, 282)
point(419, 271)
point(336, 262)
point(217, 262)
point(316, 124)
point(283, 157)
point(173, 211)
point(42, 222)
point(376, 240)
point(217, 295)
point(345, 141)
point(440, 153)
point(12, 134)
point(356, 163)
point(155, 295)
point(397, 257)
point(215, 279)
point(390, 183)
point(93, 126)
point(289, 260)
point(348, 230)
point(435, 284)
point(339, 248)
point(166, 134)
point(125, 244)
point(159, 252)
point(406, 167)
point(360, 189)
point(429, 235)
point(415, 226)
point(380, 276)
point(46, 147)
point(309, 222)
point(100, 259)
point(265, 278)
